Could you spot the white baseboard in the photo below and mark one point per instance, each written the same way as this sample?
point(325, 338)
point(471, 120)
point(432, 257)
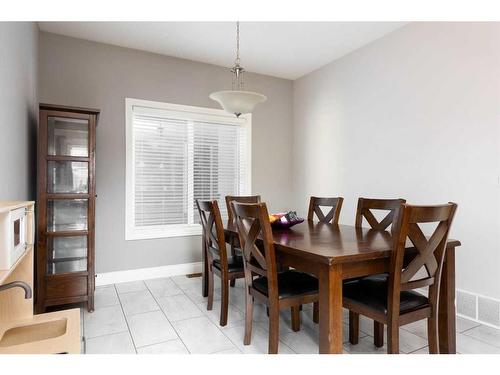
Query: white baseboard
point(108, 278)
point(479, 308)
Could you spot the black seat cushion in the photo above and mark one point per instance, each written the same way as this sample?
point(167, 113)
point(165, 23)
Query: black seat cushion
point(372, 292)
point(290, 284)
point(234, 264)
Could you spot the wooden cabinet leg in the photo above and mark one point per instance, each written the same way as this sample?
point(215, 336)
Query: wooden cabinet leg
point(90, 303)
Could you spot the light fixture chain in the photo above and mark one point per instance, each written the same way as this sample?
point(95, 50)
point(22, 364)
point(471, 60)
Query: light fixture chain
point(237, 42)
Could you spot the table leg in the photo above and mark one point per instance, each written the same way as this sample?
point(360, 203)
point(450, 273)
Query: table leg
point(204, 270)
point(330, 310)
point(446, 314)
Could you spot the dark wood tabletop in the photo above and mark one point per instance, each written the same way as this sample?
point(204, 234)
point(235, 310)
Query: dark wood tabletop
point(327, 243)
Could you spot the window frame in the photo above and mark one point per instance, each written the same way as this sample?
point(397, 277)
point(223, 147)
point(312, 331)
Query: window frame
point(189, 112)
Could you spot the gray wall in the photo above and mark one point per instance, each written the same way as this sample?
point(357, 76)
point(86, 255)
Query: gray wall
point(87, 74)
point(18, 109)
point(413, 115)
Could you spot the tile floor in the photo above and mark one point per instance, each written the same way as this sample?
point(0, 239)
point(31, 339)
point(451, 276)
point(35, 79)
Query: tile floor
point(169, 316)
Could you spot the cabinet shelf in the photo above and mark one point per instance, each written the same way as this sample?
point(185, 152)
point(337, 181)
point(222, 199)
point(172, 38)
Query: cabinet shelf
point(67, 233)
point(67, 158)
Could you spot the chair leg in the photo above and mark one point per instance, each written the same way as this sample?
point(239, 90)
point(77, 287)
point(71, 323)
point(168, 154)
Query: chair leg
point(316, 312)
point(392, 339)
point(378, 334)
point(353, 327)
point(224, 301)
point(432, 334)
point(274, 321)
point(295, 310)
point(248, 318)
point(210, 302)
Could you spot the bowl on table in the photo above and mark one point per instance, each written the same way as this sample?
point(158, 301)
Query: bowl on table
point(284, 220)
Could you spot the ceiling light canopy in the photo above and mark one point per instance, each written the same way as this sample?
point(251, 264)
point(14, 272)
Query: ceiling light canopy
point(237, 100)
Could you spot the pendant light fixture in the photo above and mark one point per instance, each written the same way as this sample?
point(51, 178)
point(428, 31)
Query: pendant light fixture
point(237, 100)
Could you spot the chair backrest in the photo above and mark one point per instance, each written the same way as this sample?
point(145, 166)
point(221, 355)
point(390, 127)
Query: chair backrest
point(427, 253)
point(365, 205)
point(315, 204)
point(213, 230)
point(240, 199)
point(256, 241)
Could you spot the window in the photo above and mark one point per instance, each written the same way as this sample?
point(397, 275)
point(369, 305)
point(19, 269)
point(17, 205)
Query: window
point(175, 155)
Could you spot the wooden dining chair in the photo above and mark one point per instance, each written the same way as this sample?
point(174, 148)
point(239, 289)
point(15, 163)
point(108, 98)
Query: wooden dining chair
point(234, 241)
point(219, 264)
point(365, 205)
point(363, 211)
point(392, 299)
point(278, 290)
point(239, 199)
point(315, 204)
point(335, 205)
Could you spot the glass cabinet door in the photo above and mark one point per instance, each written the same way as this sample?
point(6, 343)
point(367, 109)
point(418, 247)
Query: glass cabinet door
point(70, 177)
point(66, 254)
point(67, 214)
point(68, 136)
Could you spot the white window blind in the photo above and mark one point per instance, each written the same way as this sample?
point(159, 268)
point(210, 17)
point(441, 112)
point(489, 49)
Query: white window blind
point(175, 155)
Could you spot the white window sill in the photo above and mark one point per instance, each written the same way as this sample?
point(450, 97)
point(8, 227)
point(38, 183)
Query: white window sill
point(166, 231)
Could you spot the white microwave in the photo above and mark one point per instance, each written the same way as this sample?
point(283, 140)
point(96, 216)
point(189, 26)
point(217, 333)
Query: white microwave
point(15, 235)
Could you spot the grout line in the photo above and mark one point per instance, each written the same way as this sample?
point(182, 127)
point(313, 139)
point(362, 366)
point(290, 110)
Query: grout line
point(126, 320)
point(161, 342)
point(166, 317)
point(468, 329)
point(107, 334)
point(416, 350)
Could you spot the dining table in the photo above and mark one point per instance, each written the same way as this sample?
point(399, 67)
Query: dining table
point(334, 253)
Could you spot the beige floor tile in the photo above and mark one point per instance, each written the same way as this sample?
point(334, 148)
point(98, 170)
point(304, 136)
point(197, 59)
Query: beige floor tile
point(132, 286)
point(201, 336)
point(119, 343)
point(138, 302)
point(104, 321)
point(150, 328)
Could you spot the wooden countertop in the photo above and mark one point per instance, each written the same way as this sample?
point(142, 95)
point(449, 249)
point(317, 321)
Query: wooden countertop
point(12, 205)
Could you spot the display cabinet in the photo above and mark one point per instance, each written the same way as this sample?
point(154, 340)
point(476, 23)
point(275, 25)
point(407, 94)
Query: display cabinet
point(66, 206)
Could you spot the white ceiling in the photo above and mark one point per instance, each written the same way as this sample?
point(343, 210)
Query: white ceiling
point(281, 49)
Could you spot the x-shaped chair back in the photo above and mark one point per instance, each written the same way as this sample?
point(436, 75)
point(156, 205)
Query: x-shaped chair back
point(365, 205)
point(213, 230)
point(428, 252)
point(256, 241)
point(315, 204)
point(239, 199)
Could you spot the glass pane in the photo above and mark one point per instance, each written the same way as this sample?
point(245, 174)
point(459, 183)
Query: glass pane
point(77, 265)
point(67, 214)
point(66, 254)
point(67, 247)
point(68, 136)
point(67, 177)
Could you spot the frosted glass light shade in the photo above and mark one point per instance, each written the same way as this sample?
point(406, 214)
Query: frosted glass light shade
point(238, 102)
